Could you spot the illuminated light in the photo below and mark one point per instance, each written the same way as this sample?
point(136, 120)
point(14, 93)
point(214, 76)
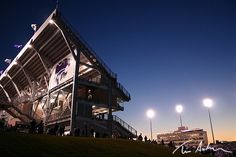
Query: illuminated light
point(93, 106)
point(51, 21)
point(75, 51)
point(40, 106)
point(3, 75)
point(14, 63)
point(67, 133)
point(88, 63)
point(82, 67)
point(207, 102)
point(179, 108)
point(52, 100)
point(30, 46)
point(54, 95)
point(88, 70)
point(150, 113)
point(94, 60)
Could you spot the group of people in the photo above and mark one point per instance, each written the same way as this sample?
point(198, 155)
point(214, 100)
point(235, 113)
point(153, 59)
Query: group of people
point(58, 130)
point(229, 146)
point(36, 128)
point(86, 132)
point(145, 139)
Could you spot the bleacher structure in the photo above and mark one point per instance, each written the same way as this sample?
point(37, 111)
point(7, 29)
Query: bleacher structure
point(59, 79)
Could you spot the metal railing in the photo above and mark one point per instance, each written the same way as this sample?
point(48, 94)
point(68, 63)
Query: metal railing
point(58, 116)
point(122, 88)
point(93, 80)
point(125, 125)
point(19, 114)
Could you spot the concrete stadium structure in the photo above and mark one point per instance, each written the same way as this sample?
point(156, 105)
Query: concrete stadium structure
point(59, 79)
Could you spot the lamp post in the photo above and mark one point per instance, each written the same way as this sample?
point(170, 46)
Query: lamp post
point(150, 114)
point(179, 109)
point(209, 103)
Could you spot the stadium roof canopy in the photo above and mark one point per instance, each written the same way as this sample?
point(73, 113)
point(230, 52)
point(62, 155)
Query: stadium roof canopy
point(51, 43)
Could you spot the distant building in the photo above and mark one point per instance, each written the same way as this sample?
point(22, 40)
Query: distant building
point(183, 135)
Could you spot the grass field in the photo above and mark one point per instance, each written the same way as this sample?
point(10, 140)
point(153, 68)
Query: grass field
point(24, 145)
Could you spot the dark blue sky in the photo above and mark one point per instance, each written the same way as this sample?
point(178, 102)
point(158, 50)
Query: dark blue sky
point(164, 52)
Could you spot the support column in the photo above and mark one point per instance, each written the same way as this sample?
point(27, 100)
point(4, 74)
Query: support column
point(75, 93)
point(7, 95)
point(52, 105)
point(76, 56)
point(47, 103)
point(34, 112)
point(110, 117)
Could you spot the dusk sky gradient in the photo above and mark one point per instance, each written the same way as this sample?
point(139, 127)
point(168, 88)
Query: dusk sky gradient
point(164, 52)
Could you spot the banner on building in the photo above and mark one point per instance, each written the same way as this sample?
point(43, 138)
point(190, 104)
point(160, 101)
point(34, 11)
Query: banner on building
point(62, 71)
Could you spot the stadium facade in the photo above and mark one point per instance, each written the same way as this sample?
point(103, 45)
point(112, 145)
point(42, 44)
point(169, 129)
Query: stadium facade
point(59, 79)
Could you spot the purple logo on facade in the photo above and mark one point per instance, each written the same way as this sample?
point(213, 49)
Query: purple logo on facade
point(62, 69)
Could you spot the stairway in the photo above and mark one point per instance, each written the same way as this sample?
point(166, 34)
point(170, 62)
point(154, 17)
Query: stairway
point(123, 127)
point(17, 113)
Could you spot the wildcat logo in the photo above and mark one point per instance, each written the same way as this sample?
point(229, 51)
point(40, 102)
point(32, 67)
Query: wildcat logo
point(61, 70)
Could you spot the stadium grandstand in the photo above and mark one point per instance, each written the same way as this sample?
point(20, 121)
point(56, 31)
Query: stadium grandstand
point(58, 79)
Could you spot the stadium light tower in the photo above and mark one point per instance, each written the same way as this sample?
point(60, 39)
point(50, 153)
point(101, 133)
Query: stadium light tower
point(150, 114)
point(179, 109)
point(207, 102)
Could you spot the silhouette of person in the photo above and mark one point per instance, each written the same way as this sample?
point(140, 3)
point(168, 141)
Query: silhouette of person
point(77, 132)
point(61, 130)
point(140, 137)
point(55, 129)
point(40, 127)
point(91, 132)
point(162, 142)
point(32, 126)
point(145, 138)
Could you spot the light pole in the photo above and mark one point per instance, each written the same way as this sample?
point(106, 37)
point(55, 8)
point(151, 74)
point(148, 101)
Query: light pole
point(150, 114)
point(209, 103)
point(179, 109)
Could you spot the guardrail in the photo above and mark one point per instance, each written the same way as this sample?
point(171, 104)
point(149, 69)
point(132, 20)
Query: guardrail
point(93, 80)
point(125, 125)
point(57, 116)
point(19, 114)
point(122, 88)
